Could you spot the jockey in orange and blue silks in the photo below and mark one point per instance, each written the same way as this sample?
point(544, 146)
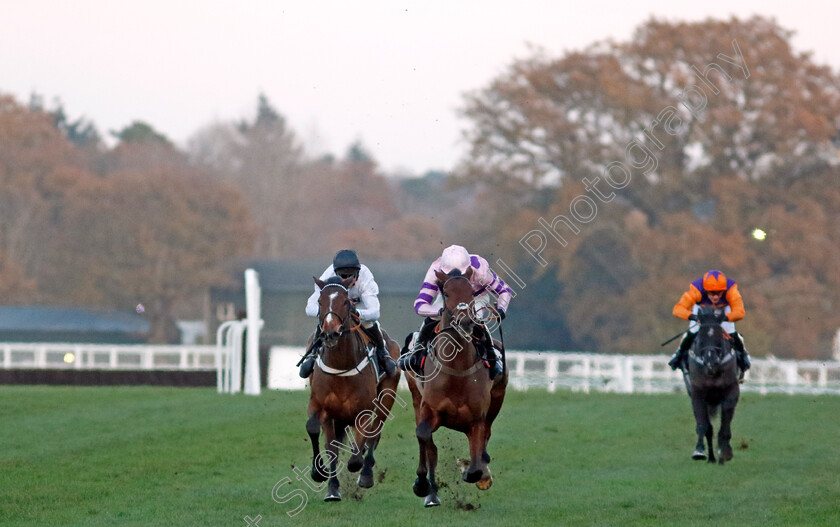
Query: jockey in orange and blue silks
point(491, 297)
point(716, 290)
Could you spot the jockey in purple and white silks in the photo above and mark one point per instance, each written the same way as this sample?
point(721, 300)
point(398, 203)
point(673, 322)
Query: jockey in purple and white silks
point(364, 293)
point(491, 298)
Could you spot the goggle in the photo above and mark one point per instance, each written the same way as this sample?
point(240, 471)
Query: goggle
point(347, 274)
point(715, 292)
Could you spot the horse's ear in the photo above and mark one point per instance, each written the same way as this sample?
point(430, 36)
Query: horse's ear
point(469, 272)
point(319, 283)
point(347, 281)
point(441, 276)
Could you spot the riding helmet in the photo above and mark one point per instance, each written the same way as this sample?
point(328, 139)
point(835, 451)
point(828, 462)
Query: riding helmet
point(346, 259)
point(454, 257)
point(714, 281)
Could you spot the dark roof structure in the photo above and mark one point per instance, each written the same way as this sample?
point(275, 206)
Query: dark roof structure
point(286, 276)
point(61, 319)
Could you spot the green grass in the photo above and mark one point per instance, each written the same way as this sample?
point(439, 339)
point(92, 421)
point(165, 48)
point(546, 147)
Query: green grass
point(161, 456)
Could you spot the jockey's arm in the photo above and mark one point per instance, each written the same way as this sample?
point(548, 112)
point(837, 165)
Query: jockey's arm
point(312, 303)
point(368, 305)
point(312, 307)
point(736, 304)
point(428, 292)
point(493, 284)
point(686, 303)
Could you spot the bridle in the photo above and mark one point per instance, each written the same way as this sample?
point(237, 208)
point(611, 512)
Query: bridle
point(342, 319)
point(365, 361)
point(462, 307)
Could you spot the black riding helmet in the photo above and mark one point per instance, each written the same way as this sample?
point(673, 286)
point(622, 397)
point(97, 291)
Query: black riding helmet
point(346, 263)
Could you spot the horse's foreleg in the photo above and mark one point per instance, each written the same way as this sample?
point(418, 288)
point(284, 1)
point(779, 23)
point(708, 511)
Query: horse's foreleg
point(313, 428)
point(425, 485)
point(701, 417)
point(421, 484)
point(432, 500)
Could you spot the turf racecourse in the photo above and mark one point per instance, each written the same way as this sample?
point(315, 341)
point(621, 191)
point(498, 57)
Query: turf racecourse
point(184, 457)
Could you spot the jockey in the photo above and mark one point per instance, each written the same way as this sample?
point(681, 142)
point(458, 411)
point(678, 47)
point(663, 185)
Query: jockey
point(363, 293)
point(714, 290)
point(429, 304)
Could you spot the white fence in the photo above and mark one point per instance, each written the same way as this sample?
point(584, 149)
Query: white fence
point(587, 372)
point(583, 372)
point(17, 355)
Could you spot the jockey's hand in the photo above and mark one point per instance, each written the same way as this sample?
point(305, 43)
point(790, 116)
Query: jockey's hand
point(692, 317)
point(500, 312)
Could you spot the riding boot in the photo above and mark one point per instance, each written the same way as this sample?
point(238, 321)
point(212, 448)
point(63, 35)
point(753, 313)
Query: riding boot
point(386, 363)
point(682, 352)
point(308, 361)
point(487, 352)
point(742, 356)
point(412, 359)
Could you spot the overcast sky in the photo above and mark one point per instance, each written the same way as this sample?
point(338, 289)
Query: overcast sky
point(391, 74)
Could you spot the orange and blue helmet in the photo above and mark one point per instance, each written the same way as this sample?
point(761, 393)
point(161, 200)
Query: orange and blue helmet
point(714, 281)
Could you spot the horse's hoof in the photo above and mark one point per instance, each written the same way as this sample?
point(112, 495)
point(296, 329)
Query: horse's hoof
point(431, 500)
point(333, 496)
point(484, 484)
point(355, 465)
point(698, 455)
point(365, 480)
point(421, 487)
point(472, 476)
point(317, 477)
point(726, 455)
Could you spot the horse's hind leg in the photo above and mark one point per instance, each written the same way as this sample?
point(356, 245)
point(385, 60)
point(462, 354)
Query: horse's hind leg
point(710, 435)
point(725, 434)
point(368, 444)
point(477, 437)
point(333, 493)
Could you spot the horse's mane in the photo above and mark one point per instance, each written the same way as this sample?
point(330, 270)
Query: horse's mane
point(333, 280)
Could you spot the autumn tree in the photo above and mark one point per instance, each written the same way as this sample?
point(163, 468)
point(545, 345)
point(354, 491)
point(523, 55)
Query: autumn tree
point(263, 159)
point(673, 146)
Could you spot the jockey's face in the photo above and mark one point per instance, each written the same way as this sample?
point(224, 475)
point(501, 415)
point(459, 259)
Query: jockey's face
point(715, 296)
point(347, 273)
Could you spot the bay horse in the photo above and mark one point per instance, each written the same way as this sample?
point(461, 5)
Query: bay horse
point(713, 378)
point(454, 390)
point(346, 391)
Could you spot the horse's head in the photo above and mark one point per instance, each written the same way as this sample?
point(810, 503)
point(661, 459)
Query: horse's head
point(458, 307)
point(334, 309)
point(711, 347)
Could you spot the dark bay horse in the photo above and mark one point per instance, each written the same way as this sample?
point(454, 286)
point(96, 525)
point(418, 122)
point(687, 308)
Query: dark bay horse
point(345, 391)
point(713, 377)
point(455, 390)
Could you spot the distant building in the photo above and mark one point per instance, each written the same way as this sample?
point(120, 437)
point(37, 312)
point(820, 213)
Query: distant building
point(58, 324)
point(286, 285)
